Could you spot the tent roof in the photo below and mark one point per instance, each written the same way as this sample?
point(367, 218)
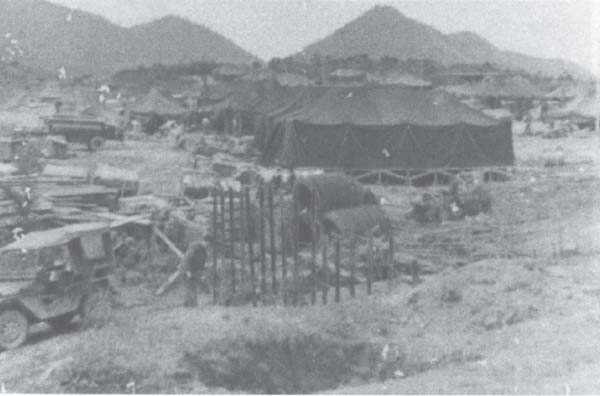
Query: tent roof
point(155, 102)
point(377, 106)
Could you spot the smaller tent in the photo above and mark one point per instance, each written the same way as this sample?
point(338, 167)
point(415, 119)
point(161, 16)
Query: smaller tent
point(581, 110)
point(156, 103)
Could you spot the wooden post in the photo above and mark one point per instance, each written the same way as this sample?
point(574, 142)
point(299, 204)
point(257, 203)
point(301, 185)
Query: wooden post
point(250, 246)
point(223, 242)
point(313, 245)
point(242, 221)
point(391, 263)
point(414, 270)
point(337, 269)
point(296, 253)
point(231, 241)
point(325, 270)
point(263, 248)
point(284, 281)
point(214, 245)
point(370, 262)
point(272, 240)
point(352, 265)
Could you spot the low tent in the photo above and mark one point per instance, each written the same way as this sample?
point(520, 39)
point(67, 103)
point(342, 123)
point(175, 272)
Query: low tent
point(580, 110)
point(395, 128)
point(155, 103)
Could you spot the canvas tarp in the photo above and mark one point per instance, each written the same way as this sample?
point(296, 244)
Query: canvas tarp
point(386, 127)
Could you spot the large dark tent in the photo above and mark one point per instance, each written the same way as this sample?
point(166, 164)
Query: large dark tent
point(254, 99)
point(386, 128)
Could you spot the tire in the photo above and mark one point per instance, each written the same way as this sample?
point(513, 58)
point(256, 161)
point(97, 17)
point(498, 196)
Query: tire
point(13, 329)
point(61, 322)
point(96, 143)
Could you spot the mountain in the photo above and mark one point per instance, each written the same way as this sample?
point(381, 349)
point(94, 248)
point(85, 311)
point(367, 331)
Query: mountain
point(52, 36)
point(383, 30)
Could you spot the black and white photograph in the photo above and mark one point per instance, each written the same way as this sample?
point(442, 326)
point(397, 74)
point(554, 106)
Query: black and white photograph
point(300, 197)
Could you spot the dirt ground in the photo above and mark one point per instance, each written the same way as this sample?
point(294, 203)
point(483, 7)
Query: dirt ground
point(512, 306)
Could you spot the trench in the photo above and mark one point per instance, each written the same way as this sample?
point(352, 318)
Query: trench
point(298, 364)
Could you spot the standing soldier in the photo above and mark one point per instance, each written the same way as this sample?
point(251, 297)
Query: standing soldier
point(193, 266)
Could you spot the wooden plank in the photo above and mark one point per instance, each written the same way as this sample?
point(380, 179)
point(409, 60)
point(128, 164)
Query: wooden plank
point(175, 275)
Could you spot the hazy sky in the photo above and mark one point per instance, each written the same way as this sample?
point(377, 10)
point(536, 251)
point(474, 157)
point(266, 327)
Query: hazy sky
point(547, 28)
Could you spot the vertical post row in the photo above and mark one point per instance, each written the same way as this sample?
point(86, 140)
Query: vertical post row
point(231, 240)
point(337, 269)
point(214, 245)
point(352, 265)
point(250, 236)
point(263, 248)
point(272, 240)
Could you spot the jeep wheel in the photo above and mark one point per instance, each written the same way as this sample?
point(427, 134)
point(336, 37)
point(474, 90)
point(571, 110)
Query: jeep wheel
point(13, 329)
point(96, 143)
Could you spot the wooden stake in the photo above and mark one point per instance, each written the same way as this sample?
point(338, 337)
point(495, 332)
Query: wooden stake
point(313, 245)
point(337, 269)
point(284, 280)
point(296, 253)
point(231, 241)
point(249, 225)
point(370, 262)
point(325, 270)
point(215, 251)
point(263, 248)
point(272, 240)
point(352, 265)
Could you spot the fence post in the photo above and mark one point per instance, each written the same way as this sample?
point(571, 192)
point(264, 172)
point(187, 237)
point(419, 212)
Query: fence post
point(352, 265)
point(313, 258)
point(325, 269)
point(250, 227)
point(242, 221)
point(272, 240)
point(263, 248)
point(231, 241)
point(296, 253)
point(215, 252)
point(391, 263)
point(284, 281)
point(370, 262)
point(337, 269)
